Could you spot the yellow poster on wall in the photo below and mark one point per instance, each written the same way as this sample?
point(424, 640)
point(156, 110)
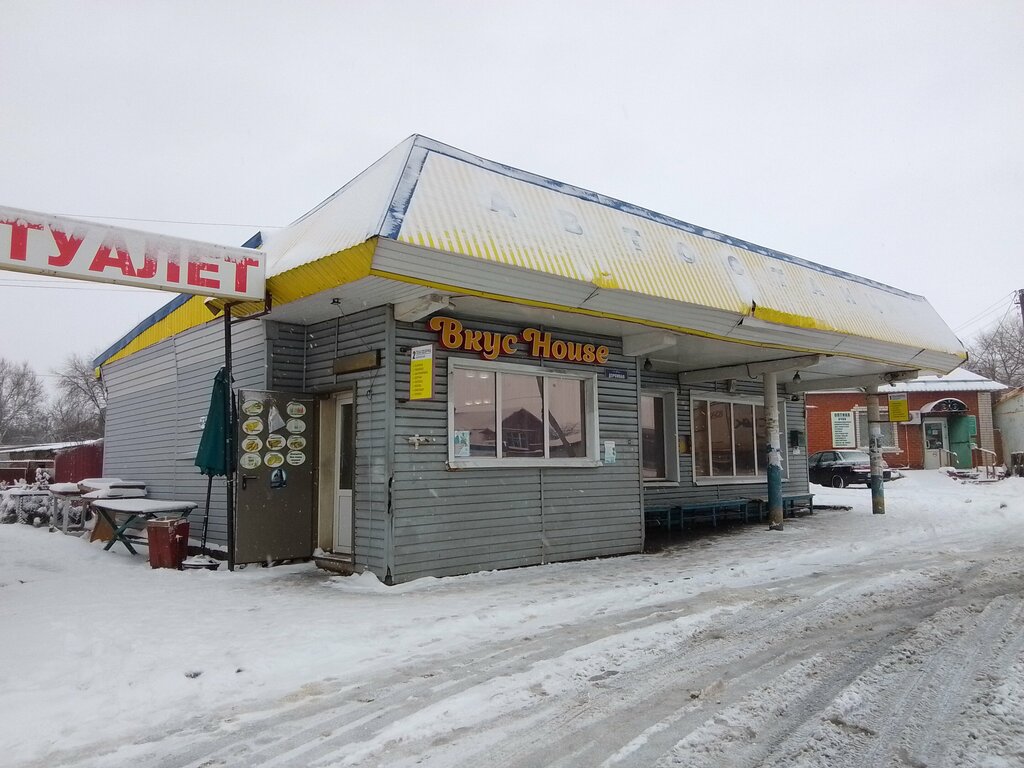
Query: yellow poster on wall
point(899, 408)
point(421, 373)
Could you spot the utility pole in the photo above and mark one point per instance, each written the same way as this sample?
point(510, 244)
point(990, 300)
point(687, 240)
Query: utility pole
point(1020, 303)
point(875, 452)
point(771, 417)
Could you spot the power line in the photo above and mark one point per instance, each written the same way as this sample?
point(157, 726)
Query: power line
point(174, 221)
point(1006, 312)
point(987, 311)
point(54, 287)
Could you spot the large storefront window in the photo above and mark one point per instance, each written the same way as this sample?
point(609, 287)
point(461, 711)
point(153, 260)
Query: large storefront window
point(660, 448)
point(729, 438)
point(504, 413)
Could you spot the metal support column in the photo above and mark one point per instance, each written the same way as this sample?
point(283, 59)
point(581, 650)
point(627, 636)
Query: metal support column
point(229, 438)
point(774, 452)
point(875, 452)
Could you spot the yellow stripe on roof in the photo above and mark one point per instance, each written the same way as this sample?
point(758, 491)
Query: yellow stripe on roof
point(190, 314)
point(339, 268)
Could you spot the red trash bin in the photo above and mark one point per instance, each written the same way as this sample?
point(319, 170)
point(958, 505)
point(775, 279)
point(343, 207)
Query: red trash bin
point(168, 542)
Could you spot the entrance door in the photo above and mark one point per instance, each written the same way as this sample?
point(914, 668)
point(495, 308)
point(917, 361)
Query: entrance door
point(936, 443)
point(274, 479)
point(962, 432)
point(345, 465)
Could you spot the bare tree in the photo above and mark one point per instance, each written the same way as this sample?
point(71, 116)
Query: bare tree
point(79, 409)
point(998, 353)
point(21, 403)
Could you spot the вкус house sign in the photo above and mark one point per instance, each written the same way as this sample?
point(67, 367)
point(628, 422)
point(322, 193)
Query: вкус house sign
point(490, 344)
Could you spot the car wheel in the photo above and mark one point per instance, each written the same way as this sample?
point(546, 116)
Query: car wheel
point(838, 481)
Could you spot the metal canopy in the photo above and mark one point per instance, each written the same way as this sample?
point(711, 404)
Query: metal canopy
point(431, 219)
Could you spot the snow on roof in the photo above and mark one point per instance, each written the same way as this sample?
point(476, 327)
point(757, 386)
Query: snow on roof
point(44, 446)
point(350, 216)
point(959, 380)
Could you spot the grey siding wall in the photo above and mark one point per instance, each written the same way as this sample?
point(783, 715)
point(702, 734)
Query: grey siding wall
point(156, 399)
point(451, 522)
point(686, 492)
point(301, 360)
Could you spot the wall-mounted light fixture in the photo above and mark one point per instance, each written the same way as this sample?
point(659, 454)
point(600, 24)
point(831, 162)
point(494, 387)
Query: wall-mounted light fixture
point(648, 365)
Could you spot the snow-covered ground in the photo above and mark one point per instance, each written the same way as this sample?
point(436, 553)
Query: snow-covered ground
point(849, 639)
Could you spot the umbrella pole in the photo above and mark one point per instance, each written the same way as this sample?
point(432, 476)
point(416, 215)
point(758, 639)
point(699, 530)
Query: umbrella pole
point(206, 517)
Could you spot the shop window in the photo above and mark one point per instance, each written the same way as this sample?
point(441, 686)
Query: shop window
point(660, 450)
point(890, 439)
point(729, 438)
point(502, 413)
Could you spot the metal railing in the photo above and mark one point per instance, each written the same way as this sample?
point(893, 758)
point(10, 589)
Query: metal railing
point(990, 467)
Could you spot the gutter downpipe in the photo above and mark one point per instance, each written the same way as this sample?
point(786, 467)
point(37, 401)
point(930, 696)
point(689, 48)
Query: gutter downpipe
point(875, 453)
point(774, 453)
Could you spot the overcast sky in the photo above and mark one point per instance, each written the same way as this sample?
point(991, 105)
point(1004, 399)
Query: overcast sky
point(881, 138)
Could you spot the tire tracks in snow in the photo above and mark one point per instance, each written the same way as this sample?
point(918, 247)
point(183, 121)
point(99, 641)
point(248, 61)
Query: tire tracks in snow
point(615, 689)
point(893, 710)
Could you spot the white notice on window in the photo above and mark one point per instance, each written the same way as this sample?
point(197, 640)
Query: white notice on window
point(609, 451)
point(460, 444)
point(842, 430)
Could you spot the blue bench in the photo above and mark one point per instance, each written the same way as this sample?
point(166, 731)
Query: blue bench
point(678, 515)
point(723, 509)
point(675, 516)
point(790, 505)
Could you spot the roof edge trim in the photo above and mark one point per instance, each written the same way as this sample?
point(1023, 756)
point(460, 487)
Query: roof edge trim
point(626, 318)
point(149, 322)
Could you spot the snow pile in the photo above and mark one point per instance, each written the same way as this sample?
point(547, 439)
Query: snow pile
point(739, 647)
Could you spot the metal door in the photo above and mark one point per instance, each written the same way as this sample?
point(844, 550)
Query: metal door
point(962, 432)
point(274, 481)
point(345, 445)
point(936, 443)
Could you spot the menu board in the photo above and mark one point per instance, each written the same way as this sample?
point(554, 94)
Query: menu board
point(842, 430)
point(421, 373)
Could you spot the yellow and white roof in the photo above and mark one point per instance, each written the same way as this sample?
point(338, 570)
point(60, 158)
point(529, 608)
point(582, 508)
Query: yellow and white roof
point(430, 218)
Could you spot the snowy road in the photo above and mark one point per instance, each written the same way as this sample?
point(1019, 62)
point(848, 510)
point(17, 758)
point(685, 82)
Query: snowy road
point(847, 640)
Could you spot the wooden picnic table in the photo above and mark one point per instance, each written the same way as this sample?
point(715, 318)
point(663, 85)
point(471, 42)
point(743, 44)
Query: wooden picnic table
point(132, 509)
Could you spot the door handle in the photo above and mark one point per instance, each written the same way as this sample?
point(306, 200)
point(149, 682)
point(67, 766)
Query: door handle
point(248, 477)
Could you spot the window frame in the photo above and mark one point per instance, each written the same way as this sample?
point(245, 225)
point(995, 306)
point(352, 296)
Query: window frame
point(592, 459)
point(757, 477)
point(670, 426)
point(883, 413)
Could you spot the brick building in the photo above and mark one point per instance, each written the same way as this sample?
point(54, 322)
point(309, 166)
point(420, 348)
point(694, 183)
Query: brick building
point(949, 416)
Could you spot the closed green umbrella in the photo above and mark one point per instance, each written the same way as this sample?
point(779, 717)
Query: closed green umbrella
point(212, 457)
point(215, 451)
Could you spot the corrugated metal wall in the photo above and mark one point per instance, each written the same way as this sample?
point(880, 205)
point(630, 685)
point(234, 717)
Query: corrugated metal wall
point(301, 360)
point(73, 464)
point(450, 522)
point(687, 492)
point(155, 401)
